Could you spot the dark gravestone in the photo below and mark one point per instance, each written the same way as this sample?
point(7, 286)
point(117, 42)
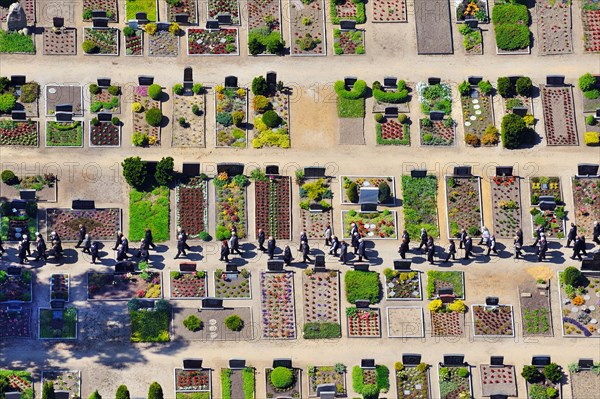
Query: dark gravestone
point(492, 301)
point(547, 198)
point(237, 364)
point(445, 291)
point(192, 364)
point(540, 360)
point(27, 195)
point(390, 81)
point(100, 22)
point(133, 24)
point(454, 360)
point(391, 112)
point(585, 364)
point(513, 79)
point(145, 80)
point(224, 19)
point(18, 115)
point(472, 23)
point(14, 271)
point(368, 195)
point(497, 361)
point(314, 172)
point(321, 388)
point(13, 395)
point(347, 24)
point(320, 262)
point(191, 169)
point(521, 111)
point(462, 171)
point(98, 14)
point(418, 173)
point(124, 267)
point(64, 116)
point(362, 303)
point(327, 394)
point(103, 82)
point(555, 80)
point(83, 204)
point(57, 304)
point(187, 267)
point(474, 80)
point(436, 115)
point(141, 16)
point(61, 394)
point(163, 25)
point(547, 205)
point(315, 207)
point(231, 268)
point(104, 117)
point(17, 80)
point(367, 363)
point(597, 113)
point(231, 81)
point(587, 169)
point(411, 359)
point(181, 18)
point(18, 204)
point(212, 25)
point(271, 78)
point(368, 208)
point(275, 265)
point(188, 74)
point(431, 81)
point(402, 264)
point(58, 22)
point(504, 170)
point(212, 303)
point(590, 265)
point(287, 363)
point(498, 396)
point(64, 108)
point(349, 81)
point(151, 167)
point(361, 267)
point(272, 170)
point(232, 169)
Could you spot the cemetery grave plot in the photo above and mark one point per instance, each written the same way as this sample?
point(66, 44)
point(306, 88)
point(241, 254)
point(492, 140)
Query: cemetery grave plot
point(140, 125)
point(378, 377)
point(192, 207)
point(14, 225)
point(498, 380)
point(19, 133)
point(14, 42)
point(264, 27)
point(212, 42)
point(233, 285)
point(348, 41)
point(104, 41)
point(188, 285)
point(228, 101)
point(293, 390)
point(15, 287)
point(59, 41)
point(353, 10)
point(392, 132)
point(373, 225)
point(413, 382)
point(506, 205)
point(105, 99)
point(26, 101)
point(420, 205)
point(437, 280)
point(559, 116)
point(101, 224)
point(149, 323)
point(494, 321)
point(212, 325)
point(402, 285)
point(434, 30)
point(387, 194)
point(318, 375)
point(277, 305)
point(579, 297)
point(64, 380)
point(110, 6)
point(149, 209)
point(363, 323)
point(388, 96)
point(437, 132)
point(134, 41)
point(590, 15)
point(512, 99)
point(314, 223)
point(478, 116)
point(447, 320)
point(276, 132)
point(471, 9)
point(511, 27)
point(15, 324)
point(17, 381)
point(542, 384)
point(193, 130)
point(553, 221)
point(273, 205)
point(545, 186)
point(187, 7)
point(192, 384)
point(405, 322)
point(455, 382)
point(321, 303)
point(584, 383)
point(59, 287)
point(463, 204)
point(224, 7)
point(58, 324)
point(231, 205)
point(389, 11)
point(60, 94)
point(586, 203)
point(307, 27)
point(163, 44)
point(46, 188)
point(472, 40)
point(150, 7)
point(64, 134)
point(436, 97)
point(104, 134)
point(536, 313)
point(591, 83)
point(237, 383)
point(318, 194)
point(109, 286)
point(27, 5)
point(554, 27)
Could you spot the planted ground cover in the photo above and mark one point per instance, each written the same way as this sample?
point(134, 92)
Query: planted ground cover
point(64, 134)
point(405, 322)
point(105, 134)
point(545, 186)
point(506, 205)
point(402, 285)
point(351, 101)
point(543, 381)
point(110, 6)
point(321, 304)
point(463, 203)
point(554, 27)
point(307, 27)
point(362, 285)
point(586, 203)
point(264, 27)
point(439, 279)
point(420, 205)
point(584, 382)
point(385, 184)
point(289, 385)
point(60, 41)
point(493, 321)
point(141, 127)
point(101, 224)
point(53, 326)
point(277, 305)
point(372, 225)
point(392, 132)
point(478, 118)
point(15, 288)
point(15, 42)
point(579, 293)
point(552, 221)
point(273, 205)
point(271, 117)
point(18, 133)
point(188, 285)
point(436, 97)
point(472, 40)
point(437, 132)
point(212, 42)
point(105, 99)
point(134, 6)
point(150, 324)
point(108, 286)
point(16, 381)
point(228, 101)
point(347, 10)
point(230, 324)
point(498, 380)
point(224, 7)
point(472, 9)
point(187, 7)
point(590, 86)
point(59, 287)
point(447, 320)
point(413, 382)
point(389, 11)
point(559, 116)
point(313, 224)
point(15, 224)
point(238, 383)
point(232, 285)
point(371, 381)
point(363, 323)
point(455, 382)
point(536, 313)
point(134, 41)
point(27, 5)
point(511, 23)
point(192, 381)
point(64, 380)
point(318, 375)
point(101, 41)
point(348, 41)
point(15, 324)
point(231, 205)
point(192, 207)
point(149, 209)
point(312, 193)
point(590, 15)
point(163, 43)
point(192, 132)
point(62, 94)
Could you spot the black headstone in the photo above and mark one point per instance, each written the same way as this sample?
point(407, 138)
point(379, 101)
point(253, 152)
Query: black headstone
point(187, 267)
point(320, 262)
point(192, 364)
point(540, 360)
point(368, 208)
point(103, 82)
point(498, 396)
point(13, 395)
point(547, 198)
point(390, 81)
point(347, 24)
point(124, 267)
point(57, 304)
point(411, 359)
point(555, 80)
point(163, 25)
point(275, 265)
point(61, 394)
point(188, 74)
point(362, 303)
point(17, 80)
point(472, 23)
point(462, 171)
point(454, 360)
point(367, 363)
point(587, 169)
point(190, 169)
point(64, 117)
point(418, 173)
point(98, 14)
point(212, 24)
point(314, 172)
point(474, 80)
point(212, 303)
point(100, 22)
point(445, 291)
point(585, 364)
point(231, 81)
point(18, 115)
point(104, 117)
point(271, 78)
point(27, 195)
point(232, 169)
point(181, 18)
point(141, 16)
point(496, 360)
point(521, 111)
point(58, 22)
point(151, 167)
point(272, 170)
point(597, 113)
point(402, 264)
point(492, 301)
point(315, 207)
point(437, 115)
point(504, 170)
point(83, 204)
point(432, 81)
point(391, 112)
point(362, 267)
point(64, 108)
point(237, 364)
point(287, 363)
point(145, 80)
point(324, 389)
point(18, 204)
point(224, 19)
point(590, 265)
point(349, 81)
point(14, 271)
point(231, 268)
point(547, 205)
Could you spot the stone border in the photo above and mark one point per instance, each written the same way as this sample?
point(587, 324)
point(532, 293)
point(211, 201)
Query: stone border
point(53, 54)
point(512, 317)
point(373, 237)
point(246, 298)
point(245, 126)
point(44, 93)
point(63, 371)
point(480, 204)
point(324, 33)
point(386, 289)
point(68, 286)
point(189, 391)
point(71, 241)
point(560, 303)
point(387, 315)
point(189, 297)
point(468, 367)
point(98, 54)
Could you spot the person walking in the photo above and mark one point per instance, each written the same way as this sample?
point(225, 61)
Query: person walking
point(87, 244)
point(125, 245)
point(335, 245)
point(95, 252)
point(583, 251)
point(40, 246)
point(451, 251)
point(462, 238)
point(303, 237)
point(261, 240)
point(577, 249)
point(149, 239)
point(485, 236)
point(145, 254)
point(406, 236)
point(355, 242)
point(27, 244)
point(287, 255)
point(82, 232)
point(518, 246)
point(271, 247)
point(491, 245)
point(353, 229)
point(184, 237)
point(519, 236)
point(423, 236)
point(572, 234)
point(57, 249)
point(118, 241)
point(403, 248)
point(328, 234)
point(121, 255)
point(468, 247)
point(362, 250)
point(180, 247)
point(538, 234)
point(305, 252)
point(596, 232)
point(21, 254)
point(234, 244)
point(224, 251)
point(343, 252)
point(430, 250)
point(542, 248)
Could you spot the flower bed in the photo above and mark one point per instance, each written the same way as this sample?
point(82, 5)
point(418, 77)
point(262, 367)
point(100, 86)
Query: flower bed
point(545, 186)
point(389, 11)
point(554, 27)
point(437, 132)
point(15, 288)
point(108, 286)
point(105, 39)
point(221, 7)
point(438, 279)
point(371, 225)
point(192, 132)
point(215, 42)
point(101, 224)
point(236, 383)
point(368, 181)
point(187, 7)
point(150, 325)
point(436, 97)
point(19, 381)
point(273, 204)
point(15, 324)
point(231, 205)
point(192, 380)
point(391, 132)
point(347, 10)
point(188, 285)
point(402, 285)
point(314, 223)
point(18, 133)
point(559, 116)
point(105, 134)
point(59, 287)
point(149, 209)
point(233, 285)
point(471, 9)
point(493, 321)
point(293, 391)
point(377, 377)
point(264, 27)
point(463, 204)
point(536, 313)
point(140, 95)
point(277, 136)
point(413, 382)
point(506, 206)
point(227, 101)
point(277, 304)
point(586, 199)
point(472, 40)
point(110, 6)
point(14, 226)
point(64, 134)
point(543, 385)
point(307, 28)
point(104, 101)
point(348, 41)
point(447, 324)
point(60, 41)
point(192, 207)
point(405, 322)
point(163, 44)
point(590, 15)
point(318, 375)
point(453, 385)
point(363, 323)
point(321, 297)
point(64, 327)
point(498, 380)
point(420, 205)
point(552, 221)
point(580, 306)
point(15, 43)
point(134, 44)
point(148, 6)
point(64, 380)
point(477, 115)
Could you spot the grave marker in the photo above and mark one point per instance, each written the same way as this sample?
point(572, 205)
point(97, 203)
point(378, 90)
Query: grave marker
point(411, 359)
point(145, 80)
point(402, 264)
point(212, 303)
point(283, 362)
point(190, 169)
point(390, 82)
point(462, 171)
point(192, 364)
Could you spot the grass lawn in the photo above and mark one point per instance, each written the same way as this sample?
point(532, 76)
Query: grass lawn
point(135, 6)
point(455, 279)
point(420, 205)
point(15, 42)
point(149, 209)
point(149, 326)
point(362, 285)
point(192, 395)
point(351, 108)
point(50, 328)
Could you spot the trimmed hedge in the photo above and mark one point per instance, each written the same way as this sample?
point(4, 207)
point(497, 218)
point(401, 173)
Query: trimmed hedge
point(282, 377)
point(510, 37)
point(360, 17)
point(322, 330)
point(358, 90)
point(510, 14)
point(513, 129)
point(591, 138)
point(391, 97)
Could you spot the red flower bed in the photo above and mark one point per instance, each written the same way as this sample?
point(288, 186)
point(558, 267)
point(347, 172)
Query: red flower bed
point(591, 30)
point(192, 380)
point(273, 207)
point(188, 285)
point(221, 42)
point(192, 207)
point(101, 224)
point(15, 324)
point(18, 133)
point(363, 322)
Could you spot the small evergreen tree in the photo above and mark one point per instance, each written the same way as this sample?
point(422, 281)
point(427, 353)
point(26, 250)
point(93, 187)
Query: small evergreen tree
point(122, 392)
point(48, 390)
point(164, 171)
point(155, 391)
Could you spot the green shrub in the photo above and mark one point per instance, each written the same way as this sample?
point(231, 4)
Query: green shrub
point(261, 103)
point(510, 14)
point(29, 92)
point(164, 171)
point(122, 392)
point(260, 86)
point(204, 236)
point(512, 130)
point(591, 138)
point(592, 94)
point(178, 89)
point(237, 117)
point(524, 86)
point(9, 177)
point(95, 395)
point(94, 88)
point(115, 121)
point(134, 171)
point(222, 233)
point(463, 372)
point(271, 119)
point(553, 372)
point(128, 31)
point(382, 378)
point(95, 122)
point(352, 193)
point(89, 47)
point(510, 37)
point(154, 117)
point(7, 102)
point(391, 97)
point(402, 118)
point(322, 330)
point(370, 391)
point(590, 120)
point(155, 391)
point(385, 193)
point(192, 323)
point(234, 322)
point(587, 82)
point(485, 87)
point(136, 107)
point(358, 90)
point(362, 285)
point(505, 88)
point(155, 91)
point(140, 139)
point(531, 374)
point(47, 390)
point(538, 392)
point(197, 88)
point(225, 119)
point(464, 88)
point(571, 276)
point(282, 377)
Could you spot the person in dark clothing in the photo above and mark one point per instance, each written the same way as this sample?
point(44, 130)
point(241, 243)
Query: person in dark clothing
point(468, 247)
point(143, 246)
point(491, 245)
point(125, 244)
point(27, 244)
point(403, 248)
point(57, 250)
point(305, 251)
point(328, 235)
point(423, 237)
point(2, 251)
point(355, 242)
point(261, 240)
point(519, 235)
point(121, 255)
point(577, 248)
point(271, 247)
point(40, 246)
point(362, 250)
point(287, 255)
point(583, 251)
point(234, 244)
point(119, 240)
point(538, 234)
point(303, 237)
point(430, 250)
point(233, 229)
point(224, 251)
point(95, 252)
point(518, 246)
point(180, 247)
point(21, 253)
point(54, 236)
point(82, 232)
point(149, 239)
point(343, 252)
point(542, 248)
point(184, 237)
point(596, 233)
point(451, 251)
point(572, 234)
point(406, 236)
point(87, 244)
point(353, 229)
point(462, 238)
point(335, 245)
point(145, 254)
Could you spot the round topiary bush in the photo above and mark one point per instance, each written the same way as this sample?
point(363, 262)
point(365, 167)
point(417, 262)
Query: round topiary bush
point(352, 192)
point(89, 47)
point(136, 107)
point(282, 378)
point(192, 323)
point(8, 177)
point(402, 118)
point(379, 118)
point(155, 91)
point(115, 121)
point(271, 119)
point(122, 392)
point(234, 322)
point(154, 117)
